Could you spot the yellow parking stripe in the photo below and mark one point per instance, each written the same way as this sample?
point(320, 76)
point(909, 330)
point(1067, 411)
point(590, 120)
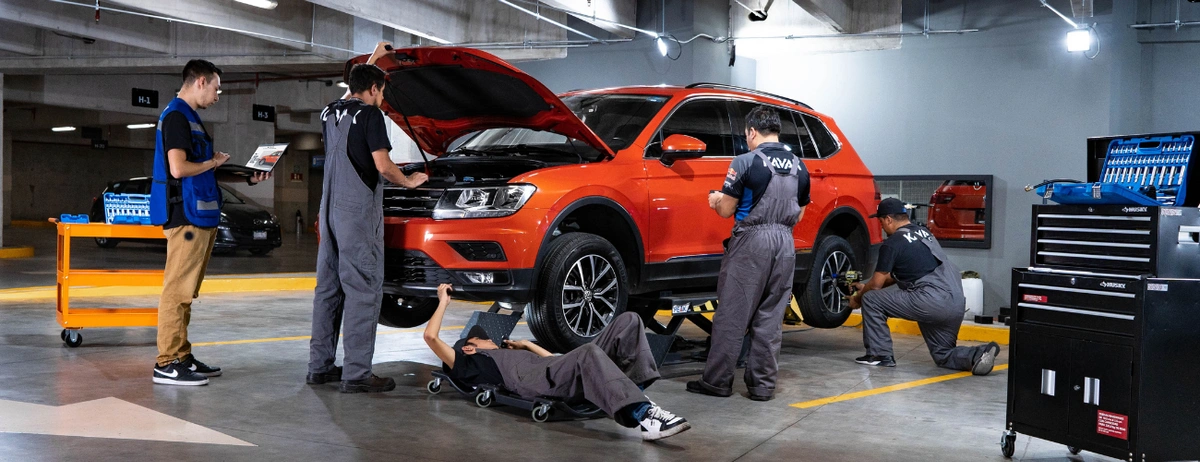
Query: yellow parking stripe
point(216, 285)
point(887, 389)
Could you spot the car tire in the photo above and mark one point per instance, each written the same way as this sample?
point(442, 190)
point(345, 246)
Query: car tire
point(399, 311)
point(819, 298)
point(106, 243)
point(258, 252)
point(571, 293)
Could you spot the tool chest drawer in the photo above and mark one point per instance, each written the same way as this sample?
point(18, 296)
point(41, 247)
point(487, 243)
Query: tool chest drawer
point(1108, 304)
point(1160, 241)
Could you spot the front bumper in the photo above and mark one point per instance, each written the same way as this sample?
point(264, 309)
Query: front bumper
point(243, 238)
point(412, 273)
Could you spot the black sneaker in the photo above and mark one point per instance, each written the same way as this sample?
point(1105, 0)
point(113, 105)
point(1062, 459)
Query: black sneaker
point(659, 424)
point(194, 365)
point(698, 386)
point(175, 374)
point(372, 384)
point(317, 378)
point(872, 360)
point(987, 360)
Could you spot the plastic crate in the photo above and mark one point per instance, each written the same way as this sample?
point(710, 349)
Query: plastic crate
point(126, 209)
point(69, 218)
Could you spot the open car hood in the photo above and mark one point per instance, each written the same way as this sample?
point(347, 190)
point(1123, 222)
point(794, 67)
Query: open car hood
point(438, 94)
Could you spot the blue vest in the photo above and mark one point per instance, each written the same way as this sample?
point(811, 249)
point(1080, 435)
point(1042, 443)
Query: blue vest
point(200, 196)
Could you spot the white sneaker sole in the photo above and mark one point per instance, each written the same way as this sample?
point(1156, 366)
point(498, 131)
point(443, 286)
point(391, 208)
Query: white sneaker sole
point(652, 436)
point(166, 381)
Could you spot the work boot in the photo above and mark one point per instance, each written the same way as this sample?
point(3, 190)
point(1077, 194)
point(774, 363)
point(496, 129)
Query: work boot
point(659, 424)
point(873, 360)
point(698, 386)
point(372, 384)
point(986, 360)
point(318, 378)
point(194, 365)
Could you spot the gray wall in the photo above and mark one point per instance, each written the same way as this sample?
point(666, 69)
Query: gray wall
point(1009, 101)
point(54, 179)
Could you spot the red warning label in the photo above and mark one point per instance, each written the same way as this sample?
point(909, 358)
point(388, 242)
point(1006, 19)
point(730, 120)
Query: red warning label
point(1114, 425)
point(1034, 298)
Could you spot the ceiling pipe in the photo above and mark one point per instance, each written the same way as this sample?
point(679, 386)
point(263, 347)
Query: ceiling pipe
point(543, 18)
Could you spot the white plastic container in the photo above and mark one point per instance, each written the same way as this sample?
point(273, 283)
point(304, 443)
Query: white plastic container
point(973, 290)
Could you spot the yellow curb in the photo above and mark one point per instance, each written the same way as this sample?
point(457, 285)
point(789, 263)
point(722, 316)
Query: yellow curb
point(210, 286)
point(888, 389)
point(969, 332)
point(16, 252)
point(31, 224)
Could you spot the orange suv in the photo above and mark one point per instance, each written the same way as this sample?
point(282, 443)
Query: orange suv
point(575, 208)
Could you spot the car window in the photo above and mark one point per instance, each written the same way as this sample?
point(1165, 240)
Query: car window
point(230, 197)
point(616, 119)
point(827, 145)
point(793, 133)
point(706, 120)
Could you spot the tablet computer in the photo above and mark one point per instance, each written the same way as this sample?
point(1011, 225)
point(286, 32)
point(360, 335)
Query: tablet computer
point(263, 160)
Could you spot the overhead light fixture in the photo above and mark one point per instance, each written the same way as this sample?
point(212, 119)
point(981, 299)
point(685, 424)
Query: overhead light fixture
point(662, 45)
point(63, 129)
point(343, 85)
point(1079, 40)
point(264, 4)
point(140, 126)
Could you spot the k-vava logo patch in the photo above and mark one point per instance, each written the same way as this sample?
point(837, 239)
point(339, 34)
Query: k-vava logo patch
point(1112, 285)
point(781, 164)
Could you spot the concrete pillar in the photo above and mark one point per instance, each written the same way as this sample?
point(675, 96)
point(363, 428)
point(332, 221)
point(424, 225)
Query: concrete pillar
point(291, 189)
point(5, 150)
point(239, 136)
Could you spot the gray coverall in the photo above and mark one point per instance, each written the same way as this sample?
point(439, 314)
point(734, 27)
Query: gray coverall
point(935, 302)
point(349, 260)
point(605, 372)
point(755, 286)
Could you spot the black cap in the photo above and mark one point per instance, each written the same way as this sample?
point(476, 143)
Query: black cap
point(890, 206)
point(476, 331)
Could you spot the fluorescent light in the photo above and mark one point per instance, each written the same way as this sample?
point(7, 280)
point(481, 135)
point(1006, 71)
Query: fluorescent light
point(62, 129)
point(140, 126)
point(662, 45)
point(343, 85)
point(1079, 40)
point(264, 4)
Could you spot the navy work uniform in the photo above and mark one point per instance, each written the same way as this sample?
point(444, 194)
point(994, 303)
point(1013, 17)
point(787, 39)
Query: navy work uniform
point(755, 283)
point(933, 297)
point(350, 254)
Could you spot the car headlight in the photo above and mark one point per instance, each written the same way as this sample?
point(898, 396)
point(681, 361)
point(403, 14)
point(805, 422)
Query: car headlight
point(500, 201)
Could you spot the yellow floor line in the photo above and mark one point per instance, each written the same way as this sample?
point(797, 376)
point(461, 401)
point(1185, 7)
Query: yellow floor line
point(16, 252)
point(887, 389)
point(307, 337)
point(968, 331)
point(214, 285)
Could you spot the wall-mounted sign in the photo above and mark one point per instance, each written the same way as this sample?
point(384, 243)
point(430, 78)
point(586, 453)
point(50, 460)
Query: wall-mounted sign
point(297, 177)
point(99, 144)
point(145, 98)
point(263, 113)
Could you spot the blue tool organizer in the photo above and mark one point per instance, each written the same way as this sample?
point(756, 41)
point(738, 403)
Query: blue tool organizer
point(126, 209)
point(1148, 171)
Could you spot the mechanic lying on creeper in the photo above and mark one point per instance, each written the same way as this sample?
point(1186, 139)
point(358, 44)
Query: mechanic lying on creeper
point(611, 372)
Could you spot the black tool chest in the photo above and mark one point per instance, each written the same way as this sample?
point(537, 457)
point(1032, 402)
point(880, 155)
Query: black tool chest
point(1105, 339)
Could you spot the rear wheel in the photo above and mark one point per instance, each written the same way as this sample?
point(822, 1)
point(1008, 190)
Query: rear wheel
point(821, 301)
point(583, 285)
point(106, 243)
point(398, 311)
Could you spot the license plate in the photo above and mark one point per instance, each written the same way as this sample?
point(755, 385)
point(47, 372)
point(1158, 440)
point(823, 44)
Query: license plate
point(260, 235)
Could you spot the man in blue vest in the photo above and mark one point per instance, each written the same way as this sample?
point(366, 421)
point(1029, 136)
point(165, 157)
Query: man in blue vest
point(186, 202)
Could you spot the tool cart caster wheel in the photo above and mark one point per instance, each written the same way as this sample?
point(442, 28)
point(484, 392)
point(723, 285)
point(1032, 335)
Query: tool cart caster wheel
point(1074, 450)
point(71, 337)
point(541, 413)
point(1008, 444)
point(434, 386)
point(484, 399)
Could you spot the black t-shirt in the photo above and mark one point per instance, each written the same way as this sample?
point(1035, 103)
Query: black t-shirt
point(476, 369)
point(905, 256)
point(748, 177)
point(367, 134)
point(177, 134)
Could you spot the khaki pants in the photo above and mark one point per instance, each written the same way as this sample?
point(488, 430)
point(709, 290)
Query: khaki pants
point(188, 251)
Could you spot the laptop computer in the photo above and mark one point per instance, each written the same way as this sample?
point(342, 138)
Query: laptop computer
point(263, 160)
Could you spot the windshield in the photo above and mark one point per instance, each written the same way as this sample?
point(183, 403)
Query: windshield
point(616, 119)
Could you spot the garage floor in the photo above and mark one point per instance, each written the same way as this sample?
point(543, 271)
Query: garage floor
point(262, 410)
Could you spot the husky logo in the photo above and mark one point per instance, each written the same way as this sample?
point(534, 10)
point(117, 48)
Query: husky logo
point(1112, 285)
point(1134, 209)
point(781, 164)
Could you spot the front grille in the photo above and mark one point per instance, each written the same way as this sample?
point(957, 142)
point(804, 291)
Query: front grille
point(413, 267)
point(479, 250)
point(401, 202)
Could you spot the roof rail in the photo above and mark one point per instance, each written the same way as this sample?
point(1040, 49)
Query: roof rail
point(722, 86)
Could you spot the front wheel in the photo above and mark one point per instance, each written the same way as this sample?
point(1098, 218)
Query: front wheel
point(822, 302)
point(398, 311)
point(582, 287)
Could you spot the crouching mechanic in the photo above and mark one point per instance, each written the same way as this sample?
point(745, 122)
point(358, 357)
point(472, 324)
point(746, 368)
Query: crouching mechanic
point(914, 280)
point(611, 372)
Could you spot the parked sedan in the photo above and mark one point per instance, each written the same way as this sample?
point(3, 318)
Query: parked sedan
point(243, 225)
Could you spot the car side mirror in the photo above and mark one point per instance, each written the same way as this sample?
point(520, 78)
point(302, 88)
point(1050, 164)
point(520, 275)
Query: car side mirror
point(677, 147)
